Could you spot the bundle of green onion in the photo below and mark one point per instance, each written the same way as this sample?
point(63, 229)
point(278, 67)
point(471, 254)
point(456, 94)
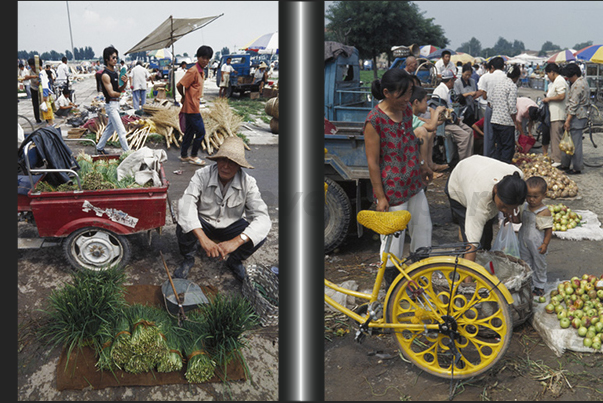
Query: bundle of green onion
point(147, 342)
point(78, 312)
point(200, 366)
point(172, 360)
point(224, 320)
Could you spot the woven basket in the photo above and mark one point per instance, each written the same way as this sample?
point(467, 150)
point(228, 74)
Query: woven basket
point(261, 277)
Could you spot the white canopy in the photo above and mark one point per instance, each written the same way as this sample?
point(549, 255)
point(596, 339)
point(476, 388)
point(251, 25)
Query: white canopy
point(169, 32)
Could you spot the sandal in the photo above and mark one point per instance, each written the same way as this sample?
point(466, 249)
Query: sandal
point(538, 292)
point(184, 159)
point(196, 161)
point(573, 172)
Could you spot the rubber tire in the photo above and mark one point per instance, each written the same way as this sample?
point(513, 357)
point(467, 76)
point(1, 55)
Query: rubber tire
point(337, 215)
point(505, 309)
point(71, 249)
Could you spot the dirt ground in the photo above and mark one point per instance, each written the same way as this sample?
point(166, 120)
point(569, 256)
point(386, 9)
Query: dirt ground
point(374, 369)
point(42, 270)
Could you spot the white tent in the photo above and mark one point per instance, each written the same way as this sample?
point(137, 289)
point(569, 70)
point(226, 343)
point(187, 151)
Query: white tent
point(524, 58)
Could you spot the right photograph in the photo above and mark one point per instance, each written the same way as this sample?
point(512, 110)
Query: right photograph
point(462, 216)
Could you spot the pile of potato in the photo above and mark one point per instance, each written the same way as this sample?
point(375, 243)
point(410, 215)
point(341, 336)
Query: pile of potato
point(559, 185)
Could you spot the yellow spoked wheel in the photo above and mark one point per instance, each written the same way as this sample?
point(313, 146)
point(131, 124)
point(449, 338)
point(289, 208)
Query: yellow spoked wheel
point(475, 323)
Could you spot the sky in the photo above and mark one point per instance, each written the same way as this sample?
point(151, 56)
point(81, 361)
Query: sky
point(44, 26)
point(564, 23)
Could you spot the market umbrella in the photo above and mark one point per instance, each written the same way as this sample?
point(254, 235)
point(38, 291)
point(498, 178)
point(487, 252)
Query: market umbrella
point(478, 59)
point(161, 54)
point(562, 57)
point(461, 57)
point(592, 53)
point(505, 58)
point(426, 50)
point(438, 53)
point(267, 43)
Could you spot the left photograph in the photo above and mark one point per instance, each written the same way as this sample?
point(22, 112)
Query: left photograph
point(148, 226)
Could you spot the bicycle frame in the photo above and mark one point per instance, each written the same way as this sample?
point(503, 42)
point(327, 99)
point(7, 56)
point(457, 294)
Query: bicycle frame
point(404, 269)
point(373, 296)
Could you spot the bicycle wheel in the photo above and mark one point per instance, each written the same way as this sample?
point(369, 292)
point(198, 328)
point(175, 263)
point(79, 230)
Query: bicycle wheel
point(593, 147)
point(477, 318)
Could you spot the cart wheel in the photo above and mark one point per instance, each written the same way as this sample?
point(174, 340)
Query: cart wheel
point(337, 215)
point(96, 249)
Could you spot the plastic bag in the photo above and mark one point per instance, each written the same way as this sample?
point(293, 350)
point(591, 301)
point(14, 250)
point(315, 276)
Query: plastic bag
point(525, 143)
point(567, 145)
point(506, 241)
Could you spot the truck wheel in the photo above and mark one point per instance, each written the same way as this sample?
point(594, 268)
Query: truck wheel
point(96, 249)
point(337, 215)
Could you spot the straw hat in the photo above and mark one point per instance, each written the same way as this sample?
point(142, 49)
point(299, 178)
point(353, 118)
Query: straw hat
point(263, 65)
point(233, 149)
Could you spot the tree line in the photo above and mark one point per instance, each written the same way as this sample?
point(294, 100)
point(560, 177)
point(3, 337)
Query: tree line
point(373, 27)
point(84, 53)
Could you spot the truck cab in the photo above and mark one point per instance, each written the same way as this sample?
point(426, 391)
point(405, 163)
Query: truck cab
point(241, 79)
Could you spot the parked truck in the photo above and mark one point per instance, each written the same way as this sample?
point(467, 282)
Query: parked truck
point(241, 79)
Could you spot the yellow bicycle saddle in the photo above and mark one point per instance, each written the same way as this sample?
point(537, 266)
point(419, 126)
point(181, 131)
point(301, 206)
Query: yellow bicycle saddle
point(384, 222)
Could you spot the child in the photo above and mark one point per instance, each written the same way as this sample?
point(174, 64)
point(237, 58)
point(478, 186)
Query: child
point(535, 232)
point(425, 129)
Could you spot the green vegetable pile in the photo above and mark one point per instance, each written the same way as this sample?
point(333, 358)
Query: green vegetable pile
point(95, 175)
point(91, 311)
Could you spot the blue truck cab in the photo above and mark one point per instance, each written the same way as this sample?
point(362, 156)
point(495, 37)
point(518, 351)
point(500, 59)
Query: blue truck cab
point(241, 79)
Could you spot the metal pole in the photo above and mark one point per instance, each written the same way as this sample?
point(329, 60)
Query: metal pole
point(173, 73)
point(70, 34)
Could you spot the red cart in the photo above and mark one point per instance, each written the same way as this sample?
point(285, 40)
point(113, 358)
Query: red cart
point(93, 225)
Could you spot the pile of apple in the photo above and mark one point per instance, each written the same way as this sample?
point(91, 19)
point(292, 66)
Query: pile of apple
point(583, 309)
point(563, 217)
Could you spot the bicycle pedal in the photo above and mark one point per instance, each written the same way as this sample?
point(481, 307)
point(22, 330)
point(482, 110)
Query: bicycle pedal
point(360, 336)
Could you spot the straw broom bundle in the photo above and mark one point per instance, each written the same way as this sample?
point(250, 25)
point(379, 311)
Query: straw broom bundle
point(220, 122)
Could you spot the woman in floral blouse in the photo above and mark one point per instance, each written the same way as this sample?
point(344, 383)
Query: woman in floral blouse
point(397, 172)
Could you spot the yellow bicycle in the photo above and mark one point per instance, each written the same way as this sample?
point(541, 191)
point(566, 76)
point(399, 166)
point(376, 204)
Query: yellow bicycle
point(449, 315)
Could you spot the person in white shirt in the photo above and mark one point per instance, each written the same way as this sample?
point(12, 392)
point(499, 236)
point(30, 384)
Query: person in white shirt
point(222, 211)
point(225, 71)
point(63, 73)
point(140, 76)
point(445, 64)
point(461, 134)
point(478, 188)
point(504, 113)
point(556, 99)
point(23, 72)
point(64, 103)
point(486, 84)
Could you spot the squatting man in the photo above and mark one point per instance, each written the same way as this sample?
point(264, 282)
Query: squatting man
point(222, 210)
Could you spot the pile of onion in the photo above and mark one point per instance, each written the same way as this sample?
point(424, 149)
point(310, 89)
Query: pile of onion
point(558, 183)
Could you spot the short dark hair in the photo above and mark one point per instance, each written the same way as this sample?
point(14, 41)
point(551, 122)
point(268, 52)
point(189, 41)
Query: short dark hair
point(64, 59)
point(205, 51)
point(552, 67)
point(107, 52)
point(418, 94)
point(512, 189)
point(445, 52)
point(467, 67)
point(498, 63)
point(571, 70)
point(537, 182)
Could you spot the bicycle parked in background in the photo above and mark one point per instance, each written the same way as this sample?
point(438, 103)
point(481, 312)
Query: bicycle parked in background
point(593, 157)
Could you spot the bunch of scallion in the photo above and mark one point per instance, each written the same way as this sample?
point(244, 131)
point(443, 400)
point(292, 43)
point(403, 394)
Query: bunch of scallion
point(224, 320)
point(78, 312)
point(172, 360)
point(200, 366)
point(147, 343)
